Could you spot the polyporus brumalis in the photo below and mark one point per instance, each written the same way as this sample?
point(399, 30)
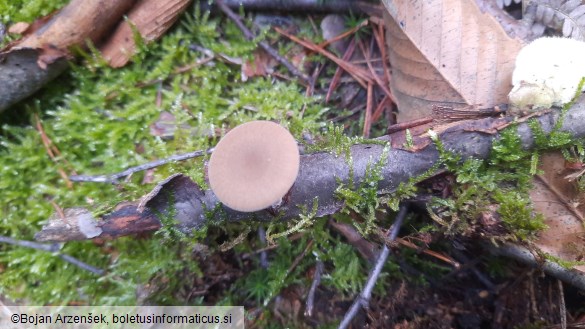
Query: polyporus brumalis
point(547, 73)
point(253, 166)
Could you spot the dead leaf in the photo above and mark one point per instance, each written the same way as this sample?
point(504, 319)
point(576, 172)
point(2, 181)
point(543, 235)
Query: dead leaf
point(262, 65)
point(447, 52)
point(561, 204)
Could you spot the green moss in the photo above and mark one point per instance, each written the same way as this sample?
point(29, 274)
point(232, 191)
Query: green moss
point(100, 123)
point(261, 285)
point(333, 139)
point(27, 11)
point(517, 214)
point(364, 199)
point(562, 262)
point(348, 271)
point(503, 180)
point(306, 220)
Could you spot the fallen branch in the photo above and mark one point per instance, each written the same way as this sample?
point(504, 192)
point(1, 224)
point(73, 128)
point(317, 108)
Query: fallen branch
point(523, 255)
point(303, 6)
point(28, 64)
point(319, 177)
point(114, 178)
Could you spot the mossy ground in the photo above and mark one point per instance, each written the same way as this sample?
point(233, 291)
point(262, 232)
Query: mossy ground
point(99, 119)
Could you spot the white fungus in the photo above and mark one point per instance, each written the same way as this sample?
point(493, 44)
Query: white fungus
point(547, 73)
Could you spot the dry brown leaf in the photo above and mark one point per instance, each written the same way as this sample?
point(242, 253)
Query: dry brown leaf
point(561, 204)
point(151, 18)
point(261, 65)
point(447, 52)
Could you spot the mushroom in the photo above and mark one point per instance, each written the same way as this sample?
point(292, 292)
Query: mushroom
point(253, 166)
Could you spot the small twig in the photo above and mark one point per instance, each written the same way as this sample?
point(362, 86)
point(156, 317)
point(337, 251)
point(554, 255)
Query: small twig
point(533, 303)
point(313, 289)
point(113, 178)
point(368, 115)
point(271, 247)
point(408, 124)
point(58, 210)
point(358, 73)
point(250, 36)
point(384, 103)
point(263, 254)
point(52, 151)
point(526, 256)
point(80, 264)
point(344, 34)
point(562, 306)
point(293, 265)
point(53, 248)
point(339, 71)
point(480, 276)
point(363, 299)
point(431, 253)
point(310, 90)
point(379, 36)
point(377, 79)
point(300, 257)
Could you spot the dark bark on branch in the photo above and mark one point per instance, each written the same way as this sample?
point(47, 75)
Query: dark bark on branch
point(522, 254)
point(20, 76)
point(302, 6)
point(319, 177)
point(26, 65)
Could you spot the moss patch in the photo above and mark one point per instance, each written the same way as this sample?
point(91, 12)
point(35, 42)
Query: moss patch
point(101, 125)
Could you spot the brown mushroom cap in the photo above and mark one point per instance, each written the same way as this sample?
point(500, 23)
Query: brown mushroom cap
point(253, 166)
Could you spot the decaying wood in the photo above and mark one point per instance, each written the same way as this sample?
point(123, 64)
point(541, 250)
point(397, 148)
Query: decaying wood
point(20, 76)
point(28, 64)
point(151, 18)
point(319, 177)
point(74, 24)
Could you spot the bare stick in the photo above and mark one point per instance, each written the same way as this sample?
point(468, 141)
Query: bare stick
point(53, 248)
point(271, 51)
point(113, 178)
point(562, 306)
point(314, 285)
point(526, 256)
point(363, 299)
point(263, 253)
